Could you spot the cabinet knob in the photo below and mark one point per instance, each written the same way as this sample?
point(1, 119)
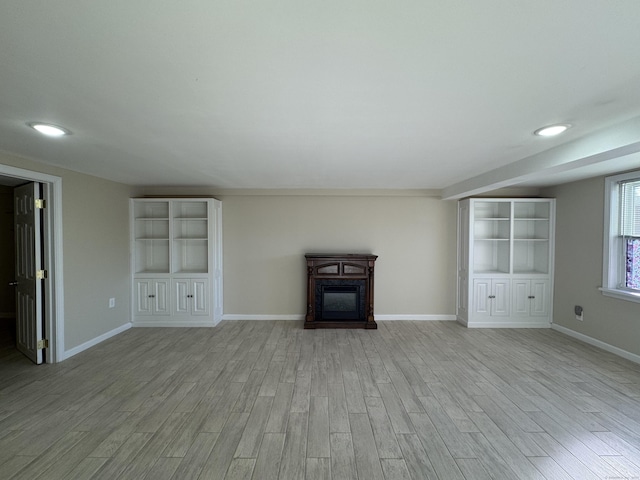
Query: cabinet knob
point(531, 296)
point(152, 296)
point(492, 296)
point(189, 296)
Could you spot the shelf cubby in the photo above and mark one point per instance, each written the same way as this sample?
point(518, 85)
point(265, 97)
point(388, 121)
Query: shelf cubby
point(531, 210)
point(492, 210)
point(531, 229)
point(491, 256)
point(498, 229)
point(190, 210)
point(531, 256)
point(190, 229)
point(190, 255)
point(151, 255)
point(151, 210)
point(147, 228)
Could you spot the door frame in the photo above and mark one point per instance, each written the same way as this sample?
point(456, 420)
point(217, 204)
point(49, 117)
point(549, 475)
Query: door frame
point(52, 259)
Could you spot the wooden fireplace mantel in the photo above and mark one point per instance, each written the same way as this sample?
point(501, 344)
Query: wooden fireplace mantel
point(348, 266)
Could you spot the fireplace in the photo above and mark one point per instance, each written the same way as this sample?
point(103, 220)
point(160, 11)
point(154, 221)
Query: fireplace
point(340, 291)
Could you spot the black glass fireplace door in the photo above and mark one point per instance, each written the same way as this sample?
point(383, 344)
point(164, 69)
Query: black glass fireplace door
point(340, 300)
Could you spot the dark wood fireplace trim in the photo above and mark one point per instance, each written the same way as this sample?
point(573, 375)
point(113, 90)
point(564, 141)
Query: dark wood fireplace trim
point(339, 266)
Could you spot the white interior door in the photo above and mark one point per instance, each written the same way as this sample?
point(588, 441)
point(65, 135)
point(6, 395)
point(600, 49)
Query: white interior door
point(28, 261)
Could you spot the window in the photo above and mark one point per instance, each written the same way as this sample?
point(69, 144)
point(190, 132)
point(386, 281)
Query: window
point(621, 272)
point(630, 231)
point(632, 263)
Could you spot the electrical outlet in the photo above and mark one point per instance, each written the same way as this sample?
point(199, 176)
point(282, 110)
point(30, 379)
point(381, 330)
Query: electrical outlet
point(579, 311)
point(112, 303)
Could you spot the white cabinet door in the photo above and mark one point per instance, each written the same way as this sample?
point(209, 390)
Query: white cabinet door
point(520, 303)
point(491, 298)
point(530, 298)
point(200, 296)
point(500, 300)
point(160, 300)
point(540, 301)
point(481, 300)
point(191, 296)
point(142, 289)
point(151, 297)
point(181, 297)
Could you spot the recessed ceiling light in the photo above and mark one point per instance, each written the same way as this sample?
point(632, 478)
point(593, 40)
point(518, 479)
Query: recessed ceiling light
point(49, 129)
point(551, 130)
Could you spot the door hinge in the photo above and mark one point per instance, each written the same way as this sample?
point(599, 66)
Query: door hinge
point(41, 274)
point(44, 343)
point(41, 203)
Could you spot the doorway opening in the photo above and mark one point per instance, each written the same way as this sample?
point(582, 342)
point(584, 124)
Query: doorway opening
point(7, 271)
point(53, 306)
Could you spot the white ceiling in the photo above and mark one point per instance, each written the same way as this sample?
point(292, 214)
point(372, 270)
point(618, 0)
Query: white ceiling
point(326, 94)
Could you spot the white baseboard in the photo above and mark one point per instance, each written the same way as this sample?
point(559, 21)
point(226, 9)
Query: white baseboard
point(173, 323)
point(417, 318)
point(597, 343)
point(506, 325)
point(233, 316)
point(503, 324)
point(93, 342)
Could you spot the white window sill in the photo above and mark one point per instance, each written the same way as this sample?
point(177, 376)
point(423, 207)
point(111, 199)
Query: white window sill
point(621, 294)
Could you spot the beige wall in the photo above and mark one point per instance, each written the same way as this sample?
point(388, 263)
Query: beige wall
point(266, 237)
point(578, 270)
point(96, 251)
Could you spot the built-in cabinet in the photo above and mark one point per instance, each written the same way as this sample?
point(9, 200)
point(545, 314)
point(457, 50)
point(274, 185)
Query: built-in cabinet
point(505, 262)
point(176, 258)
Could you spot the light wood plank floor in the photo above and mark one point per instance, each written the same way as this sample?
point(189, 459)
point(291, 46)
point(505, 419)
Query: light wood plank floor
point(268, 400)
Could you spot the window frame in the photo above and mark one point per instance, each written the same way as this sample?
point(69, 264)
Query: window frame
point(613, 264)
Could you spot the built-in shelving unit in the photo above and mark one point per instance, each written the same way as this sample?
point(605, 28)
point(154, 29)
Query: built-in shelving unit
point(505, 261)
point(176, 261)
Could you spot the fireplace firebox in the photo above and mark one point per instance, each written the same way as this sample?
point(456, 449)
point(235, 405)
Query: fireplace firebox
point(340, 291)
point(340, 299)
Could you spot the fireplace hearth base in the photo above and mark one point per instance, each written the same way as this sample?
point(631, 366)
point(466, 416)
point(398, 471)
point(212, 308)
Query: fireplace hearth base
point(340, 291)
